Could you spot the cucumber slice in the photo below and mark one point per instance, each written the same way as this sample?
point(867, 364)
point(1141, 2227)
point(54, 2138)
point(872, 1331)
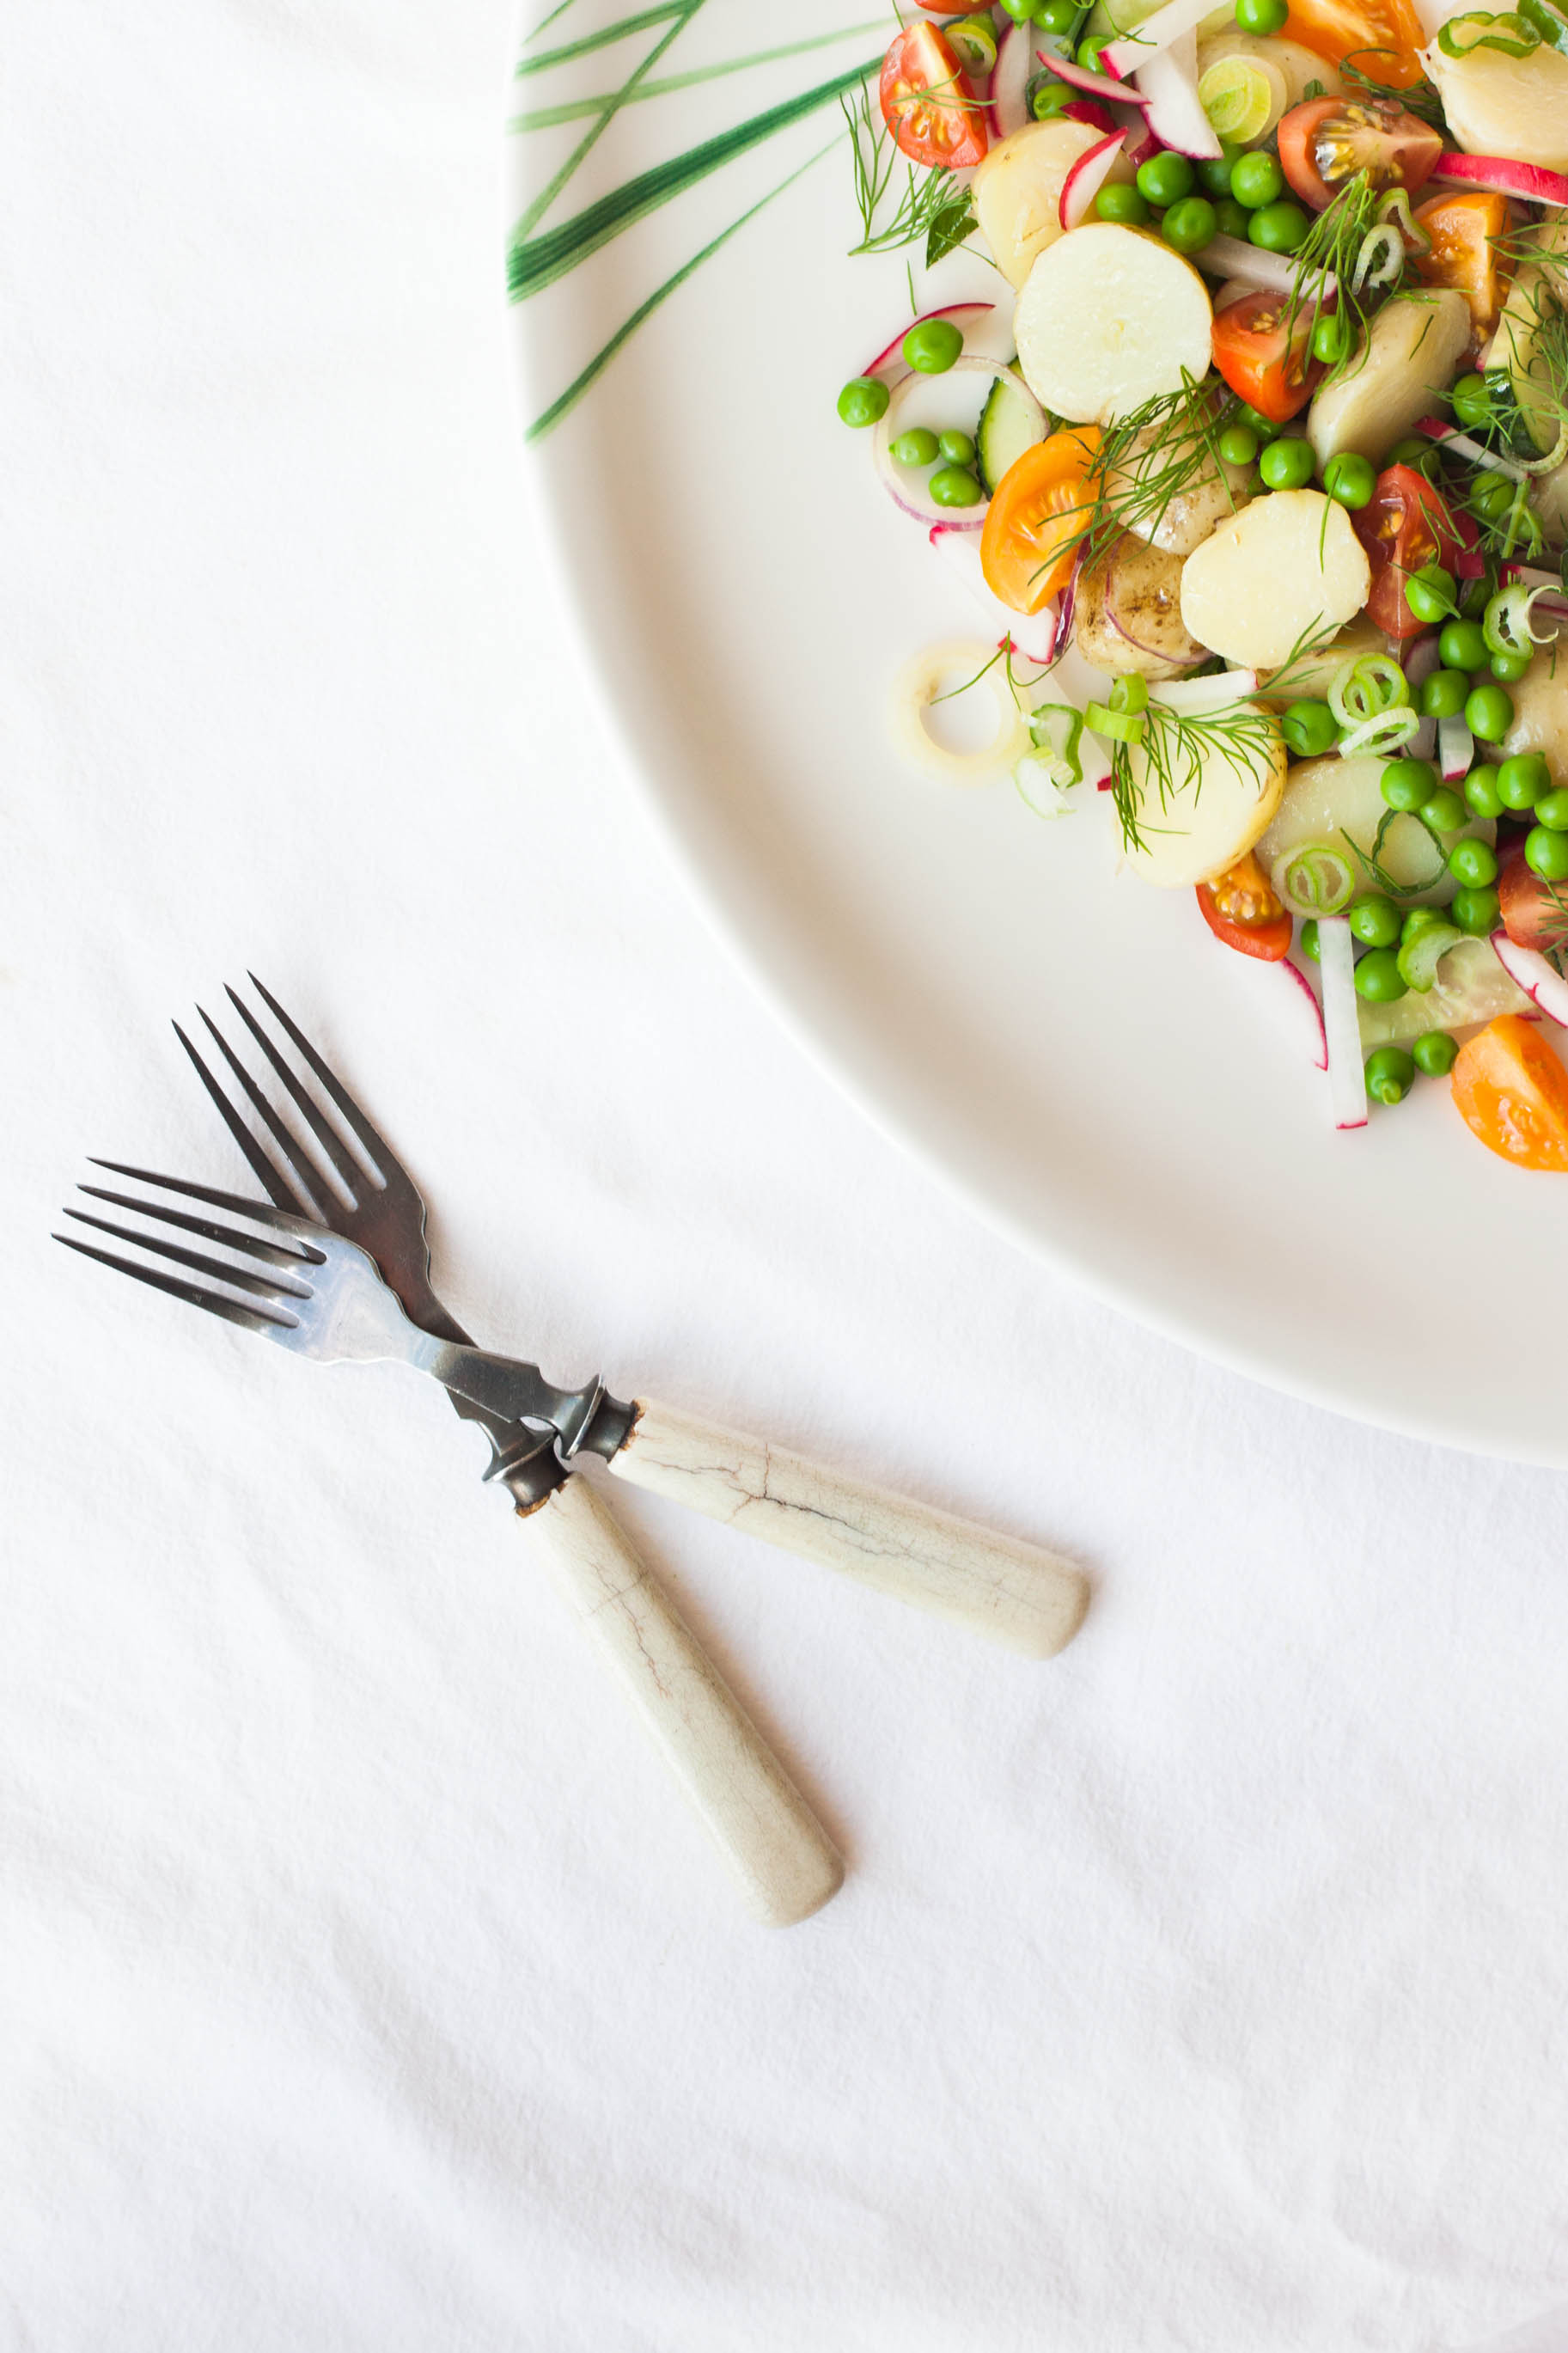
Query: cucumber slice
point(1008, 425)
point(1421, 954)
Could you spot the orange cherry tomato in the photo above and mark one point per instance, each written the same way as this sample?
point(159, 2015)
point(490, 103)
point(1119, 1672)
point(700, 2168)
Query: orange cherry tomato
point(1512, 1092)
point(1240, 908)
point(1338, 29)
point(1403, 525)
point(1324, 143)
point(1462, 228)
point(1042, 506)
point(928, 102)
point(1251, 353)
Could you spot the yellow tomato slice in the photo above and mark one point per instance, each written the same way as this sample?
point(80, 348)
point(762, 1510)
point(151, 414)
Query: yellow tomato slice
point(1041, 510)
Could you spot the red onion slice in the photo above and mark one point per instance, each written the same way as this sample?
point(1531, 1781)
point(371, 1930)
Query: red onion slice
point(1539, 980)
point(1033, 634)
point(890, 367)
point(1273, 273)
point(1308, 1013)
point(904, 487)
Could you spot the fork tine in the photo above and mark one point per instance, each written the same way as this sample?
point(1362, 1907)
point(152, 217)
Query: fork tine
point(274, 1287)
point(192, 1293)
point(276, 1253)
point(351, 1170)
point(291, 1221)
point(383, 1159)
point(309, 1186)
point(276, 1188)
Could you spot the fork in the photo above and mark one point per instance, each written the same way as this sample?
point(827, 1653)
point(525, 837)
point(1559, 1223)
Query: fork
point(322, 1297)
point(1015, 1593)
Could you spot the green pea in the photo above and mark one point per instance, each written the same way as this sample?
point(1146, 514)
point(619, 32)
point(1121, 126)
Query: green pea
point(1390, 1073)
point(1480, 790)
point(1310, 729)
point(1261, 17)
point(1472, 401)
point(1378, 977)
point(1238, 445)
point(1522, 781)
point(1050, 98)
point(1491, 495)
point(1165, 179)
point(1444, 812)
point(1230, 218)
point(1330, 338)
point(1476, 912)
point(954, 485)
point(1488, 715)
point(1546, 854)
point(1435, 1053)
point(1443, 694)
point(1414, 451)
point(956, 447)
point(1310, 939)
point(1429, 593)
point(863, 399)
point(1474, 598)
point(1462, 646)
point(918, 446)
point(1214, 174)
point(1286, 464)
point(932, 347)
point(1119, 200)
point(1350, 479)
point(1409, 785)
point(1279, 228)
point(1089, 50)
point(1473, 863)
point(1374, 920)
point(1508, 669)
point(1056, 16)
point(1020, 11)
point(1552, 810)
point(1418, 919)
point(1266, 428)
point(1189, 226)
point(1256, 179)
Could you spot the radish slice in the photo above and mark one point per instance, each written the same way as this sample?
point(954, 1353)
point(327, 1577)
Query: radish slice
point(1456, 747)
point(1341, 1022)
point(1033, 634)
point(890, 367)
point(1214, 693)
point(1537, 978)
point(1170, 83)
point(1463, 447)
point(1156, 33)
point(1144, 145)
point(1084, 179)
point(1421, 659)
point(1101, 86)
point(1502, 175)
point(1228, 256)
point(1089, 111)
point(903, 485)
point(1010, 80)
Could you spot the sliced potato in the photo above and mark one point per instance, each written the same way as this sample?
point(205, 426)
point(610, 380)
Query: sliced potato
point(1541, 712)
point(1310, 678)
point(1498, 105)
point(1128, 612)
point(1109, 316)
point(1339, 803)
point(1215, 493)
point(1550, 499)
point(1199, 831)
point(1538, 289)
point(1411, 353)
point(1471, 985)
point(1019, 189)
point(1284, 568)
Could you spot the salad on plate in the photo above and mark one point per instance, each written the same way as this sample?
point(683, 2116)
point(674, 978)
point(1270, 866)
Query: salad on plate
point(1253, 452)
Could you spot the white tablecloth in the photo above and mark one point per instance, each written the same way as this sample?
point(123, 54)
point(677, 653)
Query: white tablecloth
point(361, 1983)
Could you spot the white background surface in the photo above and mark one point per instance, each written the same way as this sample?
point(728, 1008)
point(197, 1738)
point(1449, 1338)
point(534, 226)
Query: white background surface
point(362, 1984)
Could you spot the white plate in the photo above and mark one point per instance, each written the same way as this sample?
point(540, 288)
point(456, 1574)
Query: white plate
point(1067, 1047)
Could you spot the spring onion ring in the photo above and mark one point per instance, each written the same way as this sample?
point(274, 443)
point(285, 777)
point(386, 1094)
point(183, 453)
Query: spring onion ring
point(1506, 624)
point(1367, 689)
point(1121, 727)
point(1509, 33)
point(1385, 732)
point(1315, 880)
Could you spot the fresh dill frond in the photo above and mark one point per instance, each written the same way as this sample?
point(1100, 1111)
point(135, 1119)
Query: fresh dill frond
point(1175, 748)
point(1331, 248)
point(1154, 455)
point(927, 200)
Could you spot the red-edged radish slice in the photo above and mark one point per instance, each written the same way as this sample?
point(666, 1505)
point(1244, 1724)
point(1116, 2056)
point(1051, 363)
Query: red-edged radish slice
point(1033, 634)
point(1341, 1022)
point(1463, 447)
point(1530, 182)
point(1456, 747)
point(1539, 980)
point(1101, 86)
point(1089, 111)
point(1086, 178)
point(890, 367)
point(1144, 145)
point(1154, 35)
point(1249, 265)
point(1010, 79)
point(1170, 83)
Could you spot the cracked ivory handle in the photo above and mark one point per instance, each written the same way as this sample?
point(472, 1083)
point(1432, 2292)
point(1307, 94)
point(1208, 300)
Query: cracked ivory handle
point(1031, 1600)
point(786, 1863)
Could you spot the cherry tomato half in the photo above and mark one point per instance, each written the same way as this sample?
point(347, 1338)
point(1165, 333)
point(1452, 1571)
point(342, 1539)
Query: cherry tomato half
point(1042, 506)
point(1274, 375)
point(1241, 909)
point(927, 103)
point(1404, 525)
point(1323, 143)
point(1464, 230)
point(1342, 28)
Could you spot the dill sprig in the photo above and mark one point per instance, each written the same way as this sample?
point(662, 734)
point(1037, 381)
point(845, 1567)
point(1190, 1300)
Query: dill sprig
point(1331, 247)
point(928, 208)
point(1420, 100)
point(1152, 456)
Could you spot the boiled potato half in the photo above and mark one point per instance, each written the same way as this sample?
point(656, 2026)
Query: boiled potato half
point(1108, 317)
point(1128, 612)
point(1286, 566)
point(1201, 827)
point(1019, 189)
point(1213, 492)
point(1498, 105)
point(1337, 804)
point(1412, 350)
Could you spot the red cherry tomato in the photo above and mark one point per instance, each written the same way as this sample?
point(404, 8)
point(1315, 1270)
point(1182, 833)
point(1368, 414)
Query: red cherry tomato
point(1276, 376)
point(927, 103)
point(1405, 524)
point(1241, 909)
point(1534, 913)
point(1323, 143)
